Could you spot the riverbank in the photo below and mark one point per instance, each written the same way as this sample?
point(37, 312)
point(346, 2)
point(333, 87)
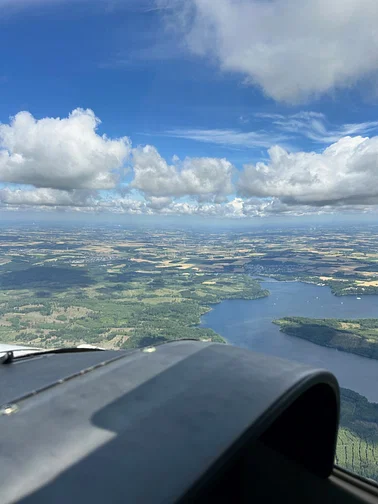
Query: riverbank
point(340, 287)
point(359, 337)
point(249, 325)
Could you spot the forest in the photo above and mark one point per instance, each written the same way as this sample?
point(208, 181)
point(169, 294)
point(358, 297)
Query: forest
point(355, 336)
point(52, 306)
point(357, 447)
point(121, 287)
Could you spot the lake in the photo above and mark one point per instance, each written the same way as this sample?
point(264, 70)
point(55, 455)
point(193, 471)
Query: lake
point(248, 324)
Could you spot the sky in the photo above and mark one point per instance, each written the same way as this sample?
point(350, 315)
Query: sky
point(226, 109)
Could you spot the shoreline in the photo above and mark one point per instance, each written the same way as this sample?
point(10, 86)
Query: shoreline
point(210, 306)
point(291, 330)
point(250, 326)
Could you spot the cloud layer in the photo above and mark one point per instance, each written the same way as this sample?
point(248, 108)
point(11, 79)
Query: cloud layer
point(292, 49)
point(47, 197)
point(64, 163)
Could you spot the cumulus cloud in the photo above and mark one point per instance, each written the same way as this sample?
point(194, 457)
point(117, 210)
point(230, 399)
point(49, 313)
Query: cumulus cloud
point(231, 209)
point(207, 178)
point(60, 153)
point(344, 173)
point(47, 197)
point(63, 163)
point(292, 49)
point(158, 203)
point(239, 208)
point(126, 205)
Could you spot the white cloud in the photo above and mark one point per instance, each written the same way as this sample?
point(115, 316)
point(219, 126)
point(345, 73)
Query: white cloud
point(278, 129)
point(46, 197)
point(64, 163)
point(159, 203)
point(344, 173)
point(200, 177)
point(231, 209)
point(127, 205)
point(60, 153)
point(230, 137)
point(292, 49)
point(239, 208)
point(315, 127)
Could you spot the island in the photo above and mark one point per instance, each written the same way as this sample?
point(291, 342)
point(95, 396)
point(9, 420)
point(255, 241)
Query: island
point(358, 336)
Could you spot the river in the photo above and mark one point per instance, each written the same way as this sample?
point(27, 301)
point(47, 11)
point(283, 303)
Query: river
point(248, 324)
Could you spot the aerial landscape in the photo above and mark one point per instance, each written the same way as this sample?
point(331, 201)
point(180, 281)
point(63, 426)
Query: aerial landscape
point(129, 287)
point(119, 287)
point(188, 169)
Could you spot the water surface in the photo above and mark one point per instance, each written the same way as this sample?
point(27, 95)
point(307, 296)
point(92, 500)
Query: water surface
point(248, 324)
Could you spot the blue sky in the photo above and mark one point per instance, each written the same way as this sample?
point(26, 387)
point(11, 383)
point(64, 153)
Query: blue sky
point(199, 82)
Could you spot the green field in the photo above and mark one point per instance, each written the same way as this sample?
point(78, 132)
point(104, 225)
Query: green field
point(357, 447)
point(112, 310)
point(116, 288)
point(357, 455)
point(126, 288)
